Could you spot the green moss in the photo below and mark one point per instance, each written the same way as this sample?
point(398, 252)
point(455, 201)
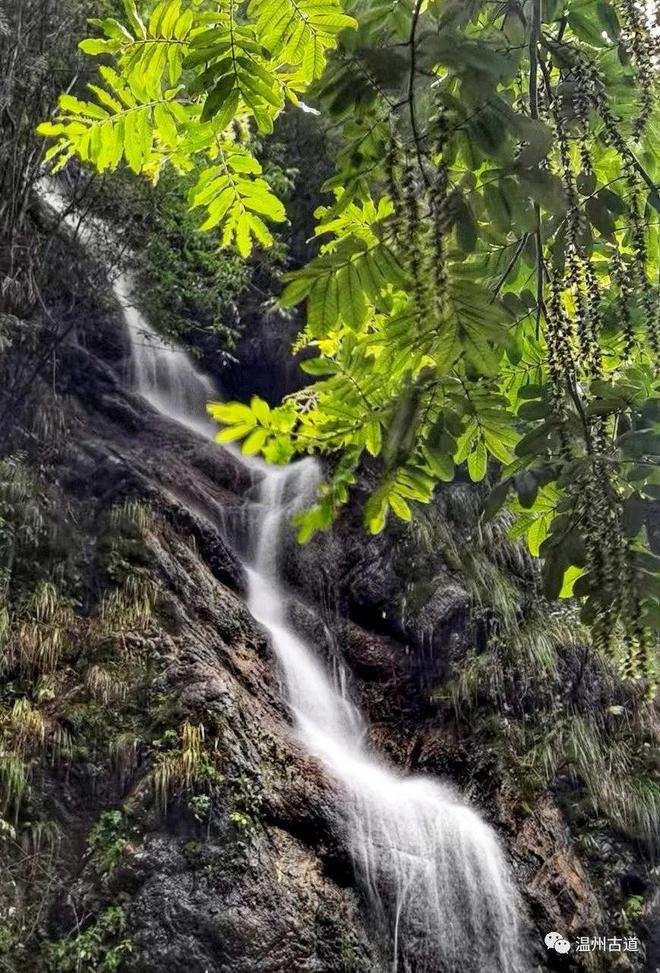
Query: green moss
point(631, 913)
point(199, 806)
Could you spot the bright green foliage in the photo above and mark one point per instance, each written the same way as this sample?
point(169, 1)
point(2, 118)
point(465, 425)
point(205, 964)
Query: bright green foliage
point(300, 32)
point(185, 82)
point(485, 289)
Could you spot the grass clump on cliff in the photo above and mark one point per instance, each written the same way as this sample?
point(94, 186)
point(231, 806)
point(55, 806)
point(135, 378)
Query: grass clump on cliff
point(183, 763)
point(69, 695)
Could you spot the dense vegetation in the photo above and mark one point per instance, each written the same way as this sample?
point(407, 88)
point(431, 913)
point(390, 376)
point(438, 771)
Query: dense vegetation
point(485, 287)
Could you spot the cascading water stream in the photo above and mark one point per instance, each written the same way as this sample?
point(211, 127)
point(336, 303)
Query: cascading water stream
point(433, 873)
point(162, 373)
point(159, 371)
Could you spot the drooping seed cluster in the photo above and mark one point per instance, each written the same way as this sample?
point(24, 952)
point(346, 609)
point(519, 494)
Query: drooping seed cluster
point(572, 97)
point(438, 201)
point(641, 45)
point(573, 342)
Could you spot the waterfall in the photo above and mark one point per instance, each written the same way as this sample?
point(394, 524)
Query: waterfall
point(432, 871)
point(162, 372)
point(159, 370)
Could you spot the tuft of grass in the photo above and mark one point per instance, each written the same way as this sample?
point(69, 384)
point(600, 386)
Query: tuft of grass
point(48, 423)
point(60, 744)
point(41, 631)
point(105, 686)
point(26, 726)
point(470, 555)
point(128, 607)
point(520, 664)
point(14, 782)
point(488, 585)
point(540, 639)
point(132, 515)
point(22, 738)
point(123, 752)
point(188, 766)
point(25, 736)
point(611, 770)
point(633, 804)
point(40, 838)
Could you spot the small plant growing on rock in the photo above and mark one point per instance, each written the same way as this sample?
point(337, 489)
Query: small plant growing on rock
point(242, 821)
point(128, 607)
point(22, 740)
point(100, 948)
point(246, 798)
point(132, 517)
point(125, 559)
point(190, 765)
point(105, 685)
point(41, 631)
point(631, 912)
point(107, 841)
point(200, 807)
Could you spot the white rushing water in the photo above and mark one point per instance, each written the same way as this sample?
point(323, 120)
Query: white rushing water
point(162, 372)
point(431, 869)
point(159, 370)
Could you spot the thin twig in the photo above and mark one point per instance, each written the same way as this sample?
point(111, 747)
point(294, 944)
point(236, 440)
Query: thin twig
point(509, 267)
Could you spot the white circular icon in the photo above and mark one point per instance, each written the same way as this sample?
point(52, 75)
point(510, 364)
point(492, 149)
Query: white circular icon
point(555, 940)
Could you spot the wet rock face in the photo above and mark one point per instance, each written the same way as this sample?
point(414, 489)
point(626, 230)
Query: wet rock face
point(263, 886)
point(368, 579)
point(398, 658)
point(558, 888)
point(269, 910)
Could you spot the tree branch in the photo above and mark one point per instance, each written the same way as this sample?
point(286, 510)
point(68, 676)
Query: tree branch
point(412, 43)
